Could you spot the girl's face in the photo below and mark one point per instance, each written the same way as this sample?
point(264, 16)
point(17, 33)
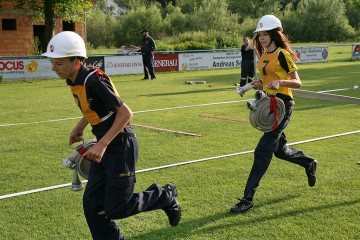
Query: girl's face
point(264, 39)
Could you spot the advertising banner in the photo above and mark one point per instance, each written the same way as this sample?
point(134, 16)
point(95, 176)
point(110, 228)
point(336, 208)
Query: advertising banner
point(312, 54)
point(20, 69)
point(209, 60)
point(166, 62)
point(96, 61)
point(356, 52)
point(116, 65)
point(31, 68)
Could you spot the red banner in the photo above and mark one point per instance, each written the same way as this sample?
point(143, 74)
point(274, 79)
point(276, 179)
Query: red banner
point(166, 62)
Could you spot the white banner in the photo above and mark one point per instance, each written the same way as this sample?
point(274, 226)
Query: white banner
point(312, 54)
point(209, 60)
point(18, 69)
point(116, 65)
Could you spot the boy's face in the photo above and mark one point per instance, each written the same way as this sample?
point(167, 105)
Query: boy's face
point(64, 67)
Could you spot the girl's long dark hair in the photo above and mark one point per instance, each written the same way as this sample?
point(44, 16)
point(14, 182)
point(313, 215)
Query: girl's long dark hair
point(280, 40)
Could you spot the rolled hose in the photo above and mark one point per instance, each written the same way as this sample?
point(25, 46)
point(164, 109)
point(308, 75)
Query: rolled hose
point(261, 117)
point(77, 162)
point(82, 165)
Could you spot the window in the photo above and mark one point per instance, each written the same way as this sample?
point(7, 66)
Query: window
point(68, 26)
point(8, 24)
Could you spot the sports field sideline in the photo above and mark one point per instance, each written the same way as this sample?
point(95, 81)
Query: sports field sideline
point(37, 117)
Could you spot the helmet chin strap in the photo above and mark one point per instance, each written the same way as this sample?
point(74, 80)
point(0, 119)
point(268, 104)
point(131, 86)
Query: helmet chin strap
point(72, 70)
point(268, 45)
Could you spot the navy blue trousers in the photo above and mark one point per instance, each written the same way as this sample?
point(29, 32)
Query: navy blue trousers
point(148, 59)
point(247, 71)
point(109, 195)
point(270, 143)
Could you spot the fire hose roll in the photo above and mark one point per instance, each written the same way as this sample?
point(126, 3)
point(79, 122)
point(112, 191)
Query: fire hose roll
point(77, 162)
point(261, 115)
point(82, 165)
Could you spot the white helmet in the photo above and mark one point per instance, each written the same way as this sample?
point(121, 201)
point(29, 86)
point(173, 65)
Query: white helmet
point(66, 44)
point(268, 22)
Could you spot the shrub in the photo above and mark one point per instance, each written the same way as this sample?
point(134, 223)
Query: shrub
point(192, 45)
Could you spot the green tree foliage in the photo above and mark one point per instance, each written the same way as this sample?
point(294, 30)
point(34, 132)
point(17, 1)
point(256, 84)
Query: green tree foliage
point(353, 13)
point(179, 24)
point(213, 15)
point(254, 9)
point(100, 29)
point(130, 25)
point(210, 18)
point(175, 17)
point(315, 21)
point(130, 4)
point(189, 6)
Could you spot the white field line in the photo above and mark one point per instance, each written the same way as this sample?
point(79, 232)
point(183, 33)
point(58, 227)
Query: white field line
point(151, 110)
point(334, 90)
point(146, 111)
point(45, 121)
point(143, 111)
point(178, 164)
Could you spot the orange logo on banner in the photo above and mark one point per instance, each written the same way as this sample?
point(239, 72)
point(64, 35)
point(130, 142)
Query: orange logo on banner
point(32, 67)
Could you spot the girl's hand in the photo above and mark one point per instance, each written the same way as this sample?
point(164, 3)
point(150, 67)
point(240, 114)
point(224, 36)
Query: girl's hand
point(257, 85)
point(274, 85)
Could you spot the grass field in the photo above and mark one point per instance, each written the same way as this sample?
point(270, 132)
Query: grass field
point(36, 118)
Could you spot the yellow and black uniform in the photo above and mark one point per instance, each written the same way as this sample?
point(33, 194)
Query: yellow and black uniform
point(276, 65)
point(97, 98)
point(109, 192)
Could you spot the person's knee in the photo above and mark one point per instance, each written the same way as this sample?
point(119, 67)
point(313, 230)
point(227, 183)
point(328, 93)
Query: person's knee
point(120, 199)
point(117, 211)
point(90, 207)
point(279, 154)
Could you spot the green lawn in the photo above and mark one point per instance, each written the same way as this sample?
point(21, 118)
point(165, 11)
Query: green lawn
point(285, 207)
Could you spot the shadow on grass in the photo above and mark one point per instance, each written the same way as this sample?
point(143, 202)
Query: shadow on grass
point(261, 219)
point(312, 106)
point(197, 224)
point(306, 107)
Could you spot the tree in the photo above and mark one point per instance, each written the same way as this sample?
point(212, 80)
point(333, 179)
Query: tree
point(131, 24)
point(254, 9)
point(292, 4)
point(163, 3)
point(48, 10)
point(175, 17)
point(100, 29)
point(188, 6)
point(213, 15)
point(315, 21)
point(353, 13)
